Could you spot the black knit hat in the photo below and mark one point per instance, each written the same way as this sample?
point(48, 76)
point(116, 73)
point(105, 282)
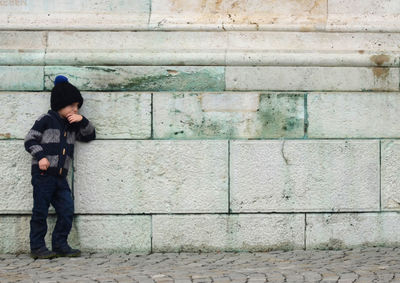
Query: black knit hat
point(64, 94)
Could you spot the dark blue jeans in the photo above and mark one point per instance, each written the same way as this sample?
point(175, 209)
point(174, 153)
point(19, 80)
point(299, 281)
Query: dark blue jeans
point(53, 190)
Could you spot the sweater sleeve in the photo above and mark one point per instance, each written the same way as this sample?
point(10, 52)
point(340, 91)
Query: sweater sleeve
point(34, 137)
point(86, 131)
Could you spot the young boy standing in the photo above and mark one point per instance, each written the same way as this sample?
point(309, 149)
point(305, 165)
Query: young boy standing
point(51, 143)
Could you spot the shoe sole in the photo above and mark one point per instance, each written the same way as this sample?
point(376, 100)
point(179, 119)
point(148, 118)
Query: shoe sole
point(69, 255)
point(43, 257)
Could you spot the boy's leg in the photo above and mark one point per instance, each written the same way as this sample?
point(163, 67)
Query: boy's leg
point(43, 188)
point(64, 205)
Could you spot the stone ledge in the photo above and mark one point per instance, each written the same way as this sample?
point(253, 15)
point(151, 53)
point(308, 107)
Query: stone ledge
point(200, 48)
point(312, 15)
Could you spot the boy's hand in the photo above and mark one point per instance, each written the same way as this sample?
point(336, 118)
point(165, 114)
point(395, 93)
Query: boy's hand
point(44, 164)
point(74, 118)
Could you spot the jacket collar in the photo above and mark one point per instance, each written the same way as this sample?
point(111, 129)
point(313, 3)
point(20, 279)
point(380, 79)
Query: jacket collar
point(58, 117)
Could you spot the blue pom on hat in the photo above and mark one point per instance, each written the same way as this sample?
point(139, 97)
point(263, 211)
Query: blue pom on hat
point(60, 79)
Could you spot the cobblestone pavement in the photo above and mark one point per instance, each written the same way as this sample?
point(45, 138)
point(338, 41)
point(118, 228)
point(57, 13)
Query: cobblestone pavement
point(356, 265)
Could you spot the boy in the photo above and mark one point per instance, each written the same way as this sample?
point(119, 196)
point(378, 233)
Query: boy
point(51, 143)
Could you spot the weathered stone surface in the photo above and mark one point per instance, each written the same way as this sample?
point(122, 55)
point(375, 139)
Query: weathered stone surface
point(115, 115)
point(199, 48)
point(312, 49)
point(15, 176)
point(21, 78)
point(17, 115)
point(228, 115)
point(47, 15)
point(353, 115)
point(136, 48)
point(14, 234)
point(119, 115)
point(367, 15)
point(312, 78)
point(315, 175)
point(337, 231)
point(229, 14)
point(114, 233)
point(390, 178)
point(141, 78)
point(22, 48)
point(100, 233)
point(151, 176)
point(227, 232)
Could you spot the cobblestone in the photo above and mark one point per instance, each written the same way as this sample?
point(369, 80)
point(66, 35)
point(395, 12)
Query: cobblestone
point(346, 266)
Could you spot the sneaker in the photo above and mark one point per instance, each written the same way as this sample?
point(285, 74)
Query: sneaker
point(42, 253)
point(67, 252)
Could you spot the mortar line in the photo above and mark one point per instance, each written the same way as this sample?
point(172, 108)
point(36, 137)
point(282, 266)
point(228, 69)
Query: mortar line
point(380, 175)
point(151, 117)
point(150, 11)
point(327, 14)
point(46, 36)
point(243, 139)
point(73, 180)
point(229, 177)
point(182, 29)
point(4, 213)
point(305, 231)
point(305, 116)
point(151, 233)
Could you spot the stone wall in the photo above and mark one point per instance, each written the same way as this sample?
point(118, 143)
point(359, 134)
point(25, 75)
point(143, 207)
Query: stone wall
point(222, 125)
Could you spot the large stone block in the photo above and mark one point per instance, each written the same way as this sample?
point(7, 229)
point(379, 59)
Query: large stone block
point(118, 233)
point(353, 115)
point(15, 176)
point(367, 15)
point(115, 115)
point(193, 233)
point(21, 78)
point(228, 115)
point(312, 78)
point(390, 178)
point(19, 111)
point(81, 15)
point(345, 230)
point(89, 233)
point(312, 49)
point(314, 175)
point(119, 115)
point(151, 177)
point(230, 14)
point(22, 47)
point(141, 78)
point(136, 48)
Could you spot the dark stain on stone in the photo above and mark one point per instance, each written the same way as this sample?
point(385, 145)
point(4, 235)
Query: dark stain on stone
point(380, 73)
point(6, 135)
point(361, 51)
point(379, 60)
point(107, 70)
point(172, 72)
point(276, 122)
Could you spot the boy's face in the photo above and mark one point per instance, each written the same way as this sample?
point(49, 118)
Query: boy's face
point(70, 109)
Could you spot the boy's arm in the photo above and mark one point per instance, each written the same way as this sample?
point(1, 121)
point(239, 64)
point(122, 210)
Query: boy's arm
point(86, 131)
point(33, 138)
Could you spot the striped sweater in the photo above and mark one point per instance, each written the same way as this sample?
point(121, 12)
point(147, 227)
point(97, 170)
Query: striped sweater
point(53, 137)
